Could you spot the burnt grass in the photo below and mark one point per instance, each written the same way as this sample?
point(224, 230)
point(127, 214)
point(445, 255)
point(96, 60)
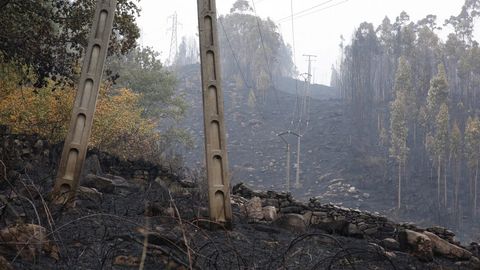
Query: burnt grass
point(333, 158)
point(172, 213)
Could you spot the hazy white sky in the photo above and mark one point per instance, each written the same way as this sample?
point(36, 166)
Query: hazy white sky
point(317, 33)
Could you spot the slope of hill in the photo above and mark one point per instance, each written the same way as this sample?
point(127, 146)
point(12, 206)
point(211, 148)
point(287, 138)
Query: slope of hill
point(331, 168)
point(135, 215)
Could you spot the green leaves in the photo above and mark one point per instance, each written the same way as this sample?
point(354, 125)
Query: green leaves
point(472, 141)
point(50, 36)
point(142, 72)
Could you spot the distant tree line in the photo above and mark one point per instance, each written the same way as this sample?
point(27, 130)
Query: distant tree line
point(415, 98)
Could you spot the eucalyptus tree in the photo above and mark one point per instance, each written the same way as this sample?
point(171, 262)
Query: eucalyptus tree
point(472, 146)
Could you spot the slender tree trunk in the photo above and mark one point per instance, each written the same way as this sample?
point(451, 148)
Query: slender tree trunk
point(439, 175)
point(445, 183)
point(475, 191)
point(456, 180)
point(399, 202)
point(414, 135)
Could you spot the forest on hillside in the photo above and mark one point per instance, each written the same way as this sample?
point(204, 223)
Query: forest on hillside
point(414, 101)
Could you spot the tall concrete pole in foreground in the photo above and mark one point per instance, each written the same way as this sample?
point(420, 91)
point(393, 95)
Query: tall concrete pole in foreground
point(215, 141)
point(76, 142)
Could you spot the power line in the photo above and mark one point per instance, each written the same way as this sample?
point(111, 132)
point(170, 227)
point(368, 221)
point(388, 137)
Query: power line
point(234, 55)
point(295, 64)
point(306, 12)
point(325, 8)
point(265, 51)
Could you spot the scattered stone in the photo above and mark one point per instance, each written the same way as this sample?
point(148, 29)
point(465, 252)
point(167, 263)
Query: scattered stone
point(353, 230)
point(253, 209)
point(474, 263)
point(444, 248)
point(28, 240)
point(269, 213)
point(292, 222)
point(92, 166)
point(100, 183)
point(128, 261)
point(419, 244)
point(308, 217)
point(390, 244)
point(86, 193)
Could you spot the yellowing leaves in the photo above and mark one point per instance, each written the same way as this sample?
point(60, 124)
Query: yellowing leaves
point(119, 127)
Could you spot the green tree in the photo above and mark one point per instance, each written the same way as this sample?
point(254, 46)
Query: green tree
point(142, 71)
point(399, 132)
point(456, 150)
point(50, 36)
point(472, 146)
point(437, 93)
point(403, 83)
point(441, 141)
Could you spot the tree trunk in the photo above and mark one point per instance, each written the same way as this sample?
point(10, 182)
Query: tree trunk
point(475, 191)
point(445, 184)
point(399, 200)
point(414, 135)
point(456, 180)
point(439, 175)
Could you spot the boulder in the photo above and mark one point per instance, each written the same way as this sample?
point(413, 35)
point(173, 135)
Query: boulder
point(292, 222)
point(353, 230)
point(253, 209)
point(474, 263)
point(418, 243)
point(28, 240)
point(100, 183)
point(390, 244)
point(444, 248)
point(92, 166)
point(109, 184)
point(87, 193)
point(269, 213)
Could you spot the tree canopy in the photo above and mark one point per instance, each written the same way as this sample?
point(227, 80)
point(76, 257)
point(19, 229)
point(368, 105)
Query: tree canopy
point(50, 36)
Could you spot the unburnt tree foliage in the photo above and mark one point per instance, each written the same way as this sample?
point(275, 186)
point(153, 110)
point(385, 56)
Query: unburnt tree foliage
point(141, 71)
point(50, 36)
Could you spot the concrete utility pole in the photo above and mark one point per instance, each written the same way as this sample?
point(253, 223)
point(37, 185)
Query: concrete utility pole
point(215, 141)
point(310, 56)
point(76, 142)
point(297, 178)
point(303, 111)
point(288, 155)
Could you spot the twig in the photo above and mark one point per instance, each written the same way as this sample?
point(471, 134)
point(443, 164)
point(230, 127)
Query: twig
point(183, 231)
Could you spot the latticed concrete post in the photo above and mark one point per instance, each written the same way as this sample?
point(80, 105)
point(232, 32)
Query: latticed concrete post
point(215, 141)
point(76, 142)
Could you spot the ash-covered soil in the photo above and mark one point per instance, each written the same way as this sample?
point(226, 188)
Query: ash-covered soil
point(134, 214)
point(334, 166)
